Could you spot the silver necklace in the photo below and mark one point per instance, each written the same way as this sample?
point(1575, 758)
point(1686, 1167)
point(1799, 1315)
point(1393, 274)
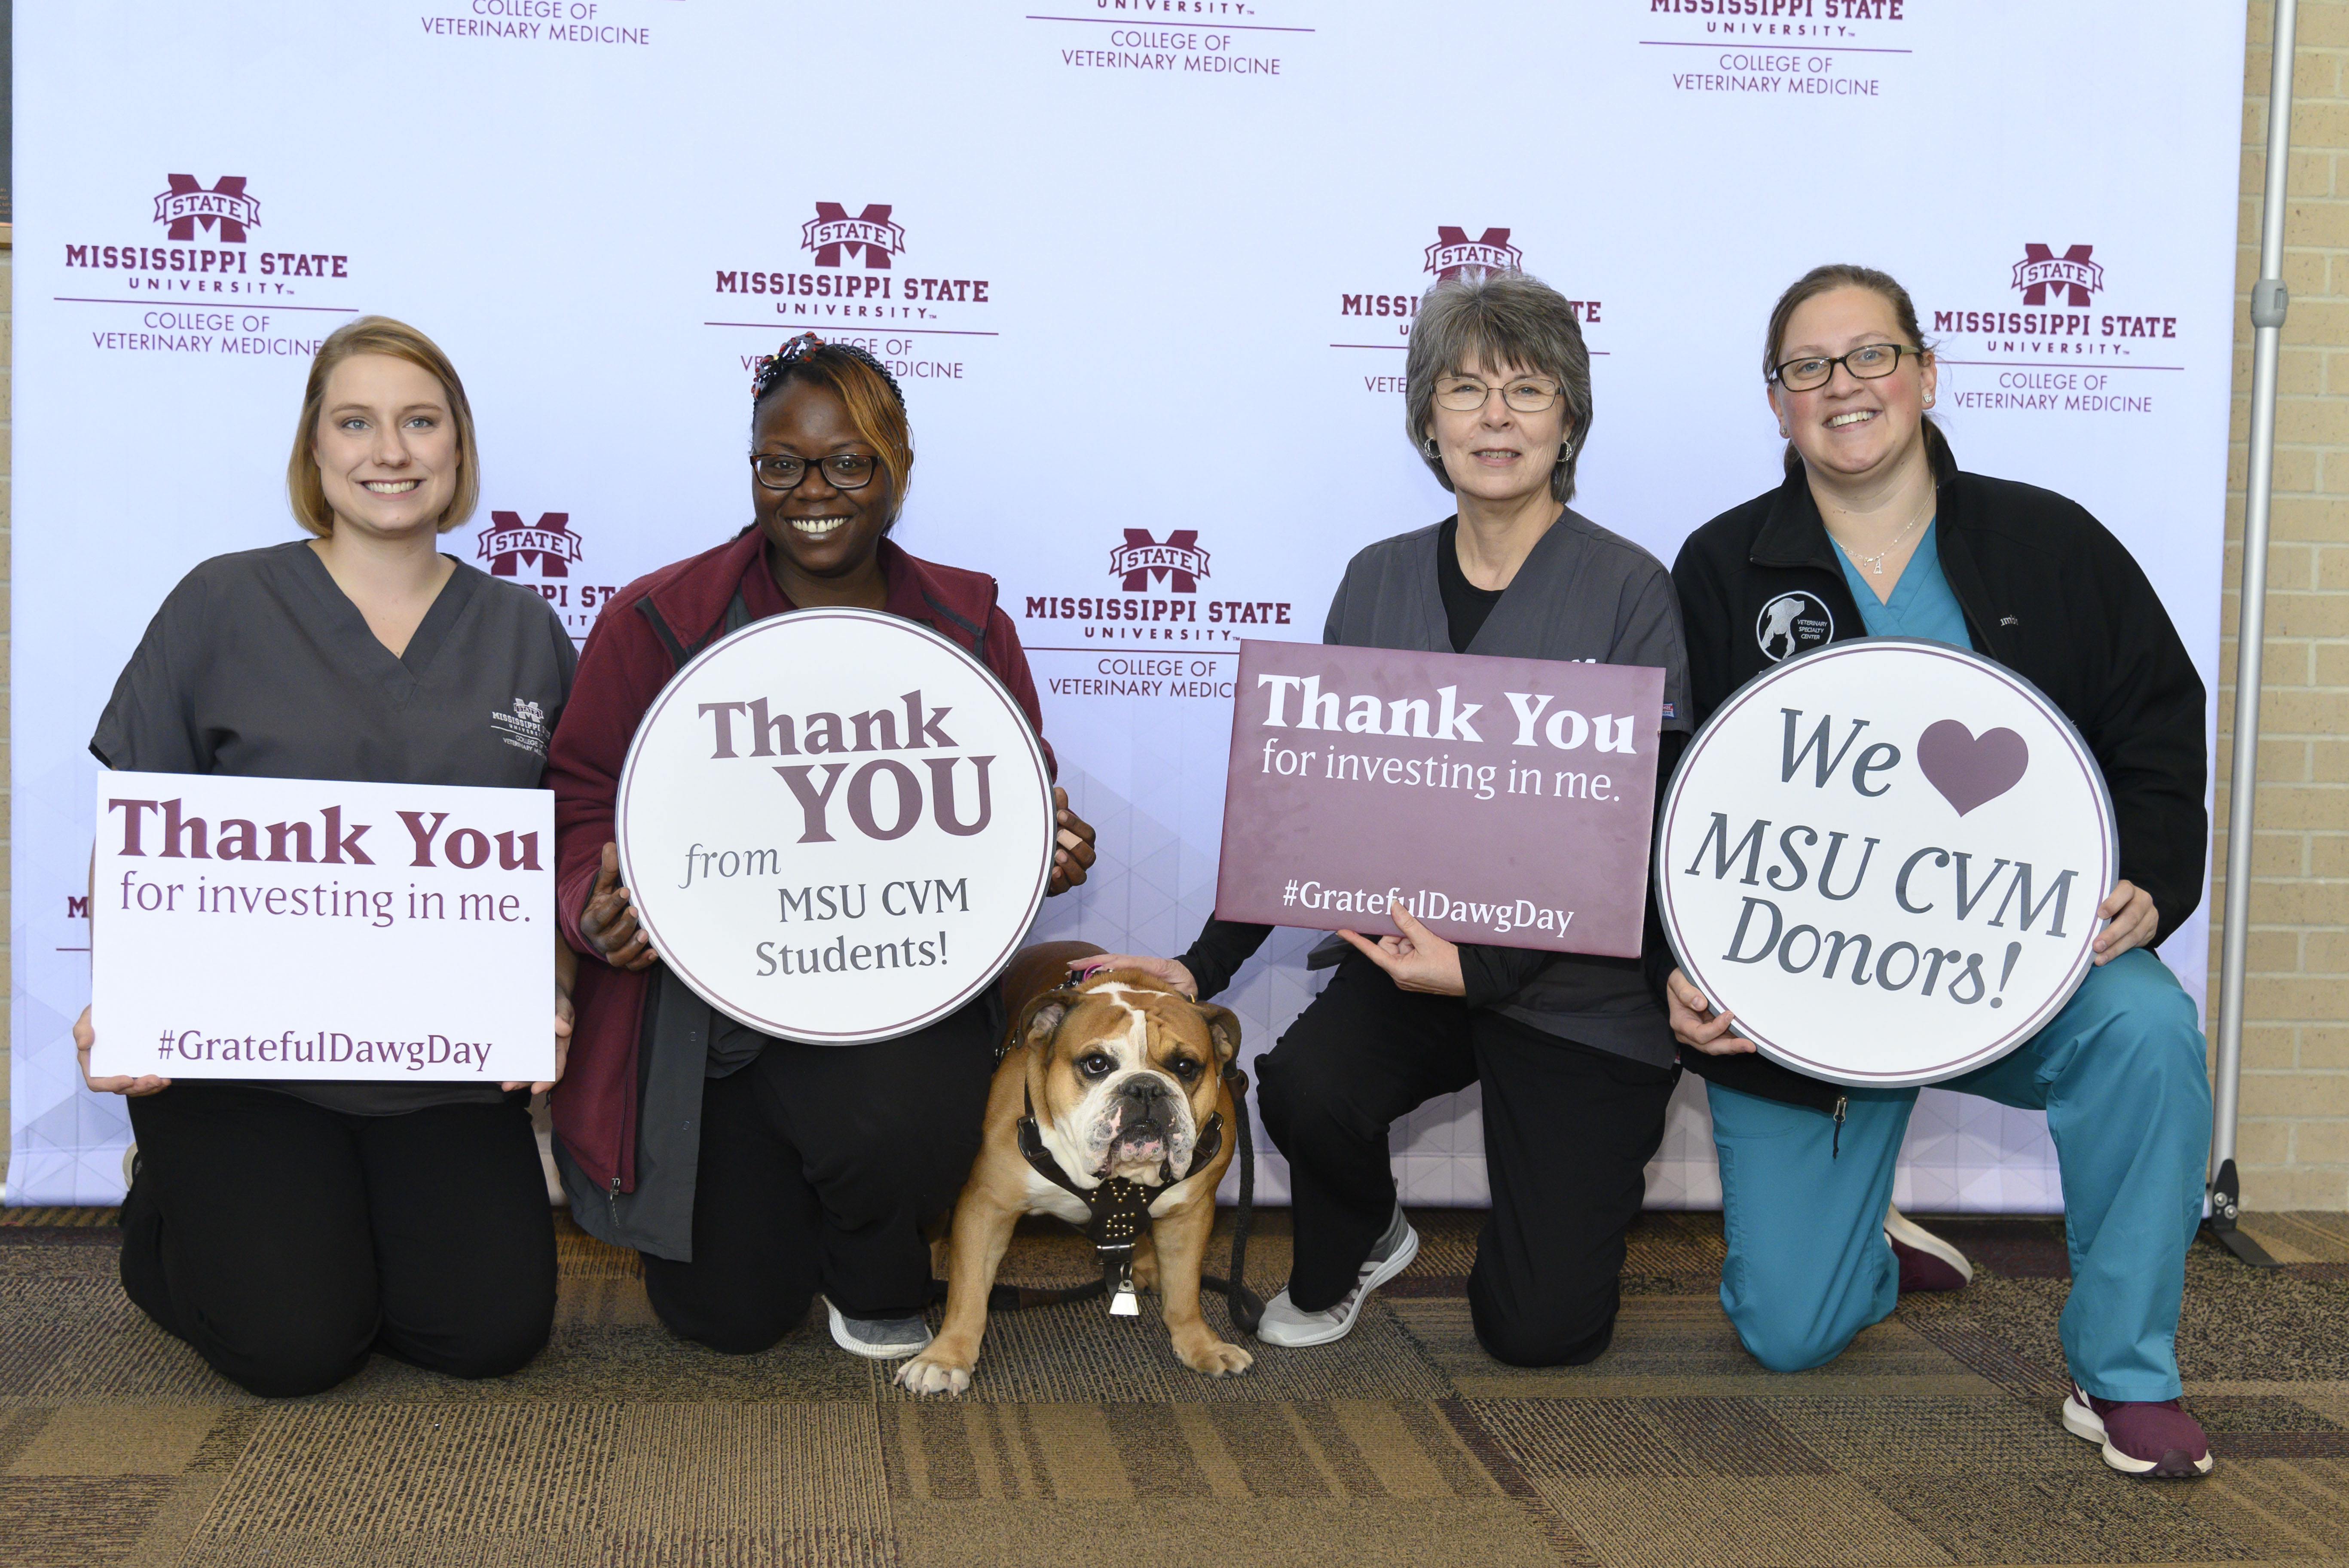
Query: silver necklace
point(1875, 564)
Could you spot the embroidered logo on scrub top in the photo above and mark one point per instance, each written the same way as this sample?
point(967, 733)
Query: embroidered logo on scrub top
point(524, 727)
point(1792, 623)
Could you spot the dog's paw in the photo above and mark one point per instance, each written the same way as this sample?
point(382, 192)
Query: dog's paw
point(1216, 1358)
point(924, 1375)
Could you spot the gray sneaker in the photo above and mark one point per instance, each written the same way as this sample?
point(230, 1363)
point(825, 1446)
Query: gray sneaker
point(878, 1338)
point(1284, 1324)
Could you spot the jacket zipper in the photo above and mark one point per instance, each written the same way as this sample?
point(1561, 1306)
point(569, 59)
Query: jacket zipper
point(1834, 1151)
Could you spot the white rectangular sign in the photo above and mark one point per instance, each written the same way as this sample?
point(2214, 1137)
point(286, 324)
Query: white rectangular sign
point(297, 928)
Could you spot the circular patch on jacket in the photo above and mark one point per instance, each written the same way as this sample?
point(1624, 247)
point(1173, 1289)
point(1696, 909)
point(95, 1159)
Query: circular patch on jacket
point(1792, 623)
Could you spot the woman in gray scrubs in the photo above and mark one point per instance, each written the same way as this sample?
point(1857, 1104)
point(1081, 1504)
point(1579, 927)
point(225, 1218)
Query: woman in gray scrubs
point(286, 1229)
point(1572, 1052)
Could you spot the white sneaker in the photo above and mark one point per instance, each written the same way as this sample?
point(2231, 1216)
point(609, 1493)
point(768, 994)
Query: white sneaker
point(1285, 1324)
point(877, 1339)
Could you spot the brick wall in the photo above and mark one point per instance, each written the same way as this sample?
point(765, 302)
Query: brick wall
point(8, 468)
point(2294, 1135)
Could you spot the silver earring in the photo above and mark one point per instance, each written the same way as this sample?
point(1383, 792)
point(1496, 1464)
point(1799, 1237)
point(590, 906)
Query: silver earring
point(1428, 446)
point(1784, 431)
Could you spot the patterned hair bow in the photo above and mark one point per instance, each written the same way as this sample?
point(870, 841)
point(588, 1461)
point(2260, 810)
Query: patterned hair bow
point(808, 346)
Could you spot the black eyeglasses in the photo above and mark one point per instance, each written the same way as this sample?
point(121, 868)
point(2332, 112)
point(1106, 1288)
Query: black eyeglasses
point(1868, 362)
point(841, 470)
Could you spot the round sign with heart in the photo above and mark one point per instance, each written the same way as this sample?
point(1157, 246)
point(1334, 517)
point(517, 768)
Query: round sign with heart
point(836, 825)
point(1885, 858)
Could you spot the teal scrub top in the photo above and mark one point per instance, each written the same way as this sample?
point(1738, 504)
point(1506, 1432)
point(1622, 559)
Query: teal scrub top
point(1921, 604)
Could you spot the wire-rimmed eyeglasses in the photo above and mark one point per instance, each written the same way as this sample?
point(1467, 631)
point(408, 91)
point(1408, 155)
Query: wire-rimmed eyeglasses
point(1466, 395)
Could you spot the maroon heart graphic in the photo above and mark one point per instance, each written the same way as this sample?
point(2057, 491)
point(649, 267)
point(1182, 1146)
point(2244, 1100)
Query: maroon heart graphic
point(1970, 768)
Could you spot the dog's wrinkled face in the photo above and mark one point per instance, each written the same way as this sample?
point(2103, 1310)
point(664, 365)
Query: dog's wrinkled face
point(1130, 1075)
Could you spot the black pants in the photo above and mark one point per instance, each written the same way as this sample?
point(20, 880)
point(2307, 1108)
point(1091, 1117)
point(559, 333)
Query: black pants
point(1568, 1130)
point(285, 1240)
point(820, 1165)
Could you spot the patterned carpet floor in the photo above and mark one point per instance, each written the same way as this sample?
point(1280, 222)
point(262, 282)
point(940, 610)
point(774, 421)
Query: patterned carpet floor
point(1933, 1441)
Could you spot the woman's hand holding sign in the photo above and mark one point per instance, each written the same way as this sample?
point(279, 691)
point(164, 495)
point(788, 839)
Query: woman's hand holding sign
point(2134, 920)
point(567, 972)
point(1418, 960)
point(610, 919)
point(1072, 851)
point(1167, 971)
point(1695, 1024)
point(122, 1084)
point(85, 1037)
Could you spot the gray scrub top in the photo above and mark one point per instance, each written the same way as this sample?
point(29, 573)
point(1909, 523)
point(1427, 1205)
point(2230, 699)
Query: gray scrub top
point(1583, 594)
point(260, 667)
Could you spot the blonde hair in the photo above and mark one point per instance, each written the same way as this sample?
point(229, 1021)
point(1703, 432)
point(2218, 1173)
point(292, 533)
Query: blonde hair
point(378, 334)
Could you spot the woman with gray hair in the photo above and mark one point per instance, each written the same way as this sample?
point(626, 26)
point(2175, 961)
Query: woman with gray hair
point(1574, 1054)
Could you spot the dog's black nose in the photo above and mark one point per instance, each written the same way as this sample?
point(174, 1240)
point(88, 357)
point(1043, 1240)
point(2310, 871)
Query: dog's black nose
point(1149, 1096)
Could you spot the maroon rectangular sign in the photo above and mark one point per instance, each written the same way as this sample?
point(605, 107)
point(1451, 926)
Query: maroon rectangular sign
point(1508, 802)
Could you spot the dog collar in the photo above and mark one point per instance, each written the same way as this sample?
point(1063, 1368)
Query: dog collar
point(1117, 1209)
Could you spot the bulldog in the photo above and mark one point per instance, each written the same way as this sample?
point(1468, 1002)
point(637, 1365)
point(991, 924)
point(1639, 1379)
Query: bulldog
point(1116, 1080)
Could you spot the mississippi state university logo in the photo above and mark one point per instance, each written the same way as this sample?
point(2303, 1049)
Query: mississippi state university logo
point(2046, 278)
point(869, 236)
point(854, 272)
point(1159, 599)
point(551, 551)
point(549, 544)
point(1454, 252)
point(522, 726)
point(210, 250)
point(1792, 623)
point(1179, 562)
point(222, 210)
point(2041, 353)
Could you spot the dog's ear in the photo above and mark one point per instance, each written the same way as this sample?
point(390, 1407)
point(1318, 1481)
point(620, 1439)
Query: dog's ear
point(1040, 1017)
point(1223, 1028)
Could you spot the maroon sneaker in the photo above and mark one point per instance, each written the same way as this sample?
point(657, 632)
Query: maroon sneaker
point(1927, 1262)
point(2140, 1437)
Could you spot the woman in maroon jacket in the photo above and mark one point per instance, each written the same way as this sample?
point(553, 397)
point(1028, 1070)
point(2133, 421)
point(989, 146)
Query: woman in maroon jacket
point(751, 1173)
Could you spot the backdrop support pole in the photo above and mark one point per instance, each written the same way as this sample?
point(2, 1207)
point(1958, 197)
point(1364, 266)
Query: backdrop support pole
point(2269, 303)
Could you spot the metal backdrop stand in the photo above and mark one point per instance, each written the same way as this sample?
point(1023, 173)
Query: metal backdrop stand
point(2269, 303)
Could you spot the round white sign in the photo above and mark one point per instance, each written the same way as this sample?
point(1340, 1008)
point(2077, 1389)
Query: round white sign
point(836, 825)
point(1885, 859)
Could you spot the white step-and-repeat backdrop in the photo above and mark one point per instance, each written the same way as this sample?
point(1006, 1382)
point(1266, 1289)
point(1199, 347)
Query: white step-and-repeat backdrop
point(1145, 268)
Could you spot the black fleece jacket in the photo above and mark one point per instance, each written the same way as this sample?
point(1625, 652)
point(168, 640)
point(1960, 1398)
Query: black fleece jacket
point(2047, 592)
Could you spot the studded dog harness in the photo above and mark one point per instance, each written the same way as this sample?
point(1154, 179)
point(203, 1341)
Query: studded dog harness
point(1119, 1208)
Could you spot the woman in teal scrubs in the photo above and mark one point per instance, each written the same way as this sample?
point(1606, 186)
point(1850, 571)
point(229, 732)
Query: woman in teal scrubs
point(1875, 531)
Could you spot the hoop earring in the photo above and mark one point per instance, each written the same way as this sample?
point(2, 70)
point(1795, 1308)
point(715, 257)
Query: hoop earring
point(1429, 451)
